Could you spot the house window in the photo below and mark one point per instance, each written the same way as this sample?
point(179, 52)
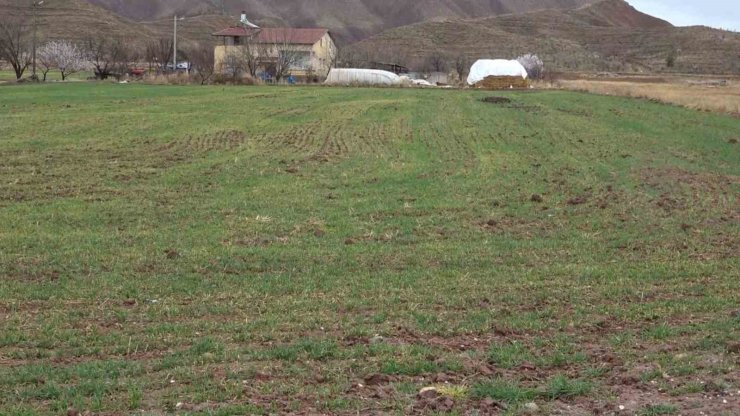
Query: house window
point(237, 40)
point(303, 60)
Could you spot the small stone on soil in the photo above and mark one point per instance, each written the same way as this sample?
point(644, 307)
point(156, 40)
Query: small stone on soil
point(377, 339)
point(428, 393)
point(531, 408)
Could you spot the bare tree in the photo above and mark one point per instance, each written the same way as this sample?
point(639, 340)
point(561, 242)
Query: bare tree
point(122, 60)
point(150, 55)
point(462, 66)
point(533, 64)
point(14, 43)
point(105, 56)
point(202, 62)
point(233, 64)
point(160, 52)
point(63, 55)
point(252, 52)
point(436, 62)
point(285, 55)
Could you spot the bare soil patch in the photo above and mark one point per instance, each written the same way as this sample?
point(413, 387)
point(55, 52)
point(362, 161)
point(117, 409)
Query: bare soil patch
point(496, 100)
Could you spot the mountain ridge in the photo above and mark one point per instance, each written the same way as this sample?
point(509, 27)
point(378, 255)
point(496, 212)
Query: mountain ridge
point(350, 20)
point(609, 35)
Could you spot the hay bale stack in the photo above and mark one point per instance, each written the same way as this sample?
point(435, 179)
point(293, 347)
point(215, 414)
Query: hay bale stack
point(502, 83)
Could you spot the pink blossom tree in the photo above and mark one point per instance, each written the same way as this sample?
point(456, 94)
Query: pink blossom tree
point(63, 55)
point(533, 64)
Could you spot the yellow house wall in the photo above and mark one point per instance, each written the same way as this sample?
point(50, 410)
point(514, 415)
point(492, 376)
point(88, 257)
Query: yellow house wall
point(323, 53)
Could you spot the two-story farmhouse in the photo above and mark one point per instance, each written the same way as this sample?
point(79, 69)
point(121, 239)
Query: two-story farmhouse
point(299, 52)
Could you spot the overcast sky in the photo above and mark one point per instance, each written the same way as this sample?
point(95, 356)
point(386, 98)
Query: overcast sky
point(723, 14)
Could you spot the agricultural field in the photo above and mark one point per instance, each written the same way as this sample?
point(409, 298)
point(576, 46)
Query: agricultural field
point(699, 93)
point(272, 250)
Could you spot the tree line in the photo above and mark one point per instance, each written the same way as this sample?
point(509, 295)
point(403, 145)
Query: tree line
point(103, 55)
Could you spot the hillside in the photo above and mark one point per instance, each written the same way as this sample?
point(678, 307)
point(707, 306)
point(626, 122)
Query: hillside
point(351, 20)
point(609, 35)
point(78, 19)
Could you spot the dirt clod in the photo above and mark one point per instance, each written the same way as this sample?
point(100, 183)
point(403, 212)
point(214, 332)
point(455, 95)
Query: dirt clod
point(73, 412)
point(485, 370)
point(579, 200)
point(260, 376)
point(441, 378)
point(377, 379)
point(490, 403)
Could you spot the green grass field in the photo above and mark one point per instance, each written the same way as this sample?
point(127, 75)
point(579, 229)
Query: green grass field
point(250, 250)
point(53, 76)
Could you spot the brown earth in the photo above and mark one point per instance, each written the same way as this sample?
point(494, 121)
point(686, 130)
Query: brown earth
point(351, 20)
point(77, 20)
point(606, 36)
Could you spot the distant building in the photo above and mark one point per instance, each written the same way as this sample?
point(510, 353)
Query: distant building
point(312, 50)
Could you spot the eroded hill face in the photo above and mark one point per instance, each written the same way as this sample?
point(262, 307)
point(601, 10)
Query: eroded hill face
point(78, 20)
point(607, 36)
point(351, 20)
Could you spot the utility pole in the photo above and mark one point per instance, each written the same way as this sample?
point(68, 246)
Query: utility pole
point(174, 48)
point(174, 45)
point(34, 6)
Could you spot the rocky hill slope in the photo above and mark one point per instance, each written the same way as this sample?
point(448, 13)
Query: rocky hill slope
point(77, 20)
point(606, 36)
point(351, 20)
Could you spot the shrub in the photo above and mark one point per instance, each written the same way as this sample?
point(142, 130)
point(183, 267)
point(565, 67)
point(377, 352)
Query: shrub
point(222, 79)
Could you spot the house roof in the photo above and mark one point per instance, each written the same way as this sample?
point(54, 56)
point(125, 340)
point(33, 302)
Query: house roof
point(302, 36)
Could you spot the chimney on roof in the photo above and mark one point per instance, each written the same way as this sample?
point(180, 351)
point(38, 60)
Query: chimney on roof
point(244, 21)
